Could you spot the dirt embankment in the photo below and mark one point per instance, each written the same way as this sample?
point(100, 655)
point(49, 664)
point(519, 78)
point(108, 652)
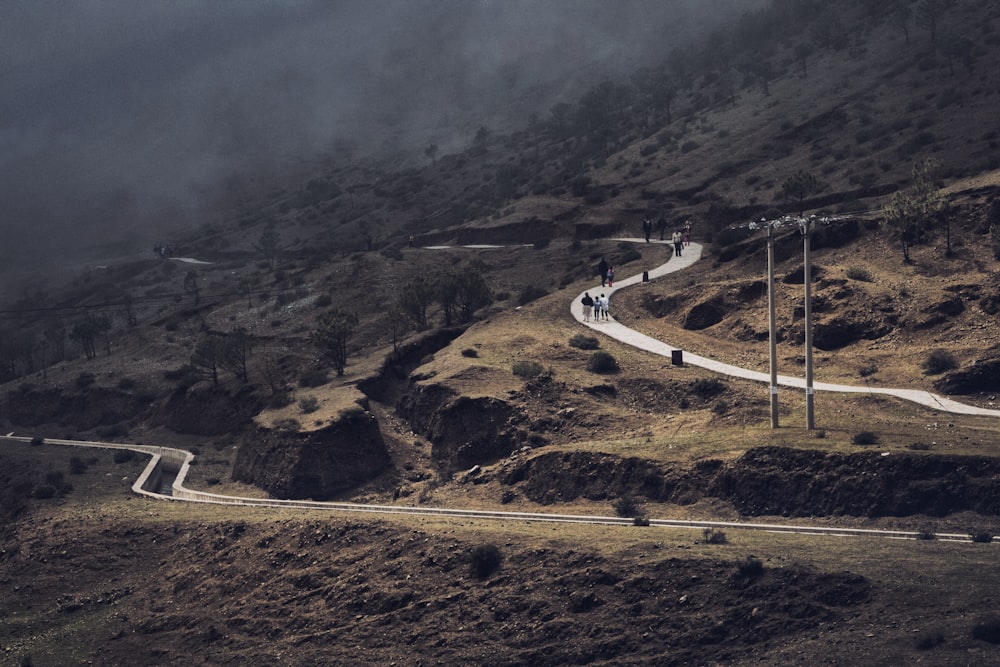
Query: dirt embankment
point(775, 481)
point(314, 464)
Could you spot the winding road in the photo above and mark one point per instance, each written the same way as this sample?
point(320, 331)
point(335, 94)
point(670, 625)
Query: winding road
point(172, 465)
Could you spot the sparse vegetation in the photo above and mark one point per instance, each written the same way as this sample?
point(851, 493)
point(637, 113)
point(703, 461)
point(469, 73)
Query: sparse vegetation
point(714, 536)
point(584, 342)
point(527, 369)
point(484, 560)
point(308, 404)
point(981, 536)
point(602, 362)
point(859, 273)
point(939, 361)
point(865, 438)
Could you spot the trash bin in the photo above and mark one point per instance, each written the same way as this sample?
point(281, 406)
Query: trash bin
point(645, 276)
point(677, 357)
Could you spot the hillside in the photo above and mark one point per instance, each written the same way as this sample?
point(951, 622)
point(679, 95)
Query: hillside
point(493, 401)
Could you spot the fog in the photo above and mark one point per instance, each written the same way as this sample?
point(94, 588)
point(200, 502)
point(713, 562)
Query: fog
point(121, 119)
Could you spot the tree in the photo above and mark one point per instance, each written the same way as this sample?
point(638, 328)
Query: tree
point(85, 333)
point(901, 15)
point(802, 52)
point(191, 285)
point(911, 211)
point(209, 355)
point(414, 300)
point(332, 332)
point(268, 245)
point(446, 292)
point(431, 152)
point(928, 14)
point(473, 293)
point(800, 186)
point(239, 343)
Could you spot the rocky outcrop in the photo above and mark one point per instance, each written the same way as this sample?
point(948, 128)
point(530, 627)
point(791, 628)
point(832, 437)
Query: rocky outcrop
point(316, 464)
point(463, 431)
point(212, 411)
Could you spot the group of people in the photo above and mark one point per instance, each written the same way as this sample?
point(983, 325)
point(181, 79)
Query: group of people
point(596, 309)
point(607, 273)
point(680, 239)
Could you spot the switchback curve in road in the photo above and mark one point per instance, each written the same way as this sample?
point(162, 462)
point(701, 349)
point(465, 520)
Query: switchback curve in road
point(691, 254)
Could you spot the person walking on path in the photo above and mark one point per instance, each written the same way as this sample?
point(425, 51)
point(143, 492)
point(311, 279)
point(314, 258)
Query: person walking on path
point(605, 306)
point(647, 228)
point(677, 241)
point(602, 268)
point(611, 277)
point(687, 233)
point(588, 305)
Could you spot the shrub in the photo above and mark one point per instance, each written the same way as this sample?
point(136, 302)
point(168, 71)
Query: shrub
point(987, 630)
point(864, 438)
point(309, 404)
point(640, 521)
point(721, 407)
point(529, 293)
point(939, 361)
point(981, 536)
point(926, 534)
point(928, 639)
point(860, 273)
point(584, 342)
point(37, 440)
point(288, 424)
point(84, 380)
point(750, 568)
point(527, 369)
point(484, 560)
point(77, 466)
point(313, 378)
point(279, 400)
point(627, 506)
point(123, 455)
point(867, 371)
point(706, 388)
point(602, 362)
point(714, 536)
point(470, 352)
point(44, 492)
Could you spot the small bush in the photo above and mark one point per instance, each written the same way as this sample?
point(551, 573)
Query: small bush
point(721, 407)
point(527, 369)
point(928, 639)
point(714, 536)
point(918, 446)
point(77, 466)
point(313, 378)
point(640, 521)
point(981, 536)
point(484, 560)
point(309, 404)
point(123, 455)
point(44, 492)
point(868, 371)
point(602, 362)
point(750, 568)
point(987, 630)
point(627, 506)
point(706, 388)
point(37, 441)
point(939, 361)
point(864, 438)
point(860, 273)
point(279, 400)
point(926, 534)
point(287, 424)
point(584, 342)
point(470, 352)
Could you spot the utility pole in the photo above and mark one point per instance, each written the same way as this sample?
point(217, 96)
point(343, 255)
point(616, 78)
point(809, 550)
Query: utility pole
point(771, 326)
point(805, 226)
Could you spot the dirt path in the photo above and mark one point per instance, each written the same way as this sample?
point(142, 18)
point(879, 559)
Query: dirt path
point(692, 254)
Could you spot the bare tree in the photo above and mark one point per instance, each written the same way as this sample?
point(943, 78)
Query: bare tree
point(332, 332)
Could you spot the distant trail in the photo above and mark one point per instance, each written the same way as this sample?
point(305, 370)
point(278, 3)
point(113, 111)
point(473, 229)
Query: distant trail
point(170, 460)
point(692, 254)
